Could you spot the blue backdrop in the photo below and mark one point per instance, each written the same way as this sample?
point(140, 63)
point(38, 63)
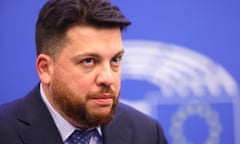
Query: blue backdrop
point(181, 64)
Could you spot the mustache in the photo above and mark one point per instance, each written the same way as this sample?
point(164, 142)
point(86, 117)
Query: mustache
point(103, 92)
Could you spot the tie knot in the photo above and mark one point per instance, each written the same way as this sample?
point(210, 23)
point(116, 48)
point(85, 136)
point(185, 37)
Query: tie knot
point(81, 137)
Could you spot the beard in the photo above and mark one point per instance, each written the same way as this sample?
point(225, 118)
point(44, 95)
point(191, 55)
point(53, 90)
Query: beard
point(74, 105)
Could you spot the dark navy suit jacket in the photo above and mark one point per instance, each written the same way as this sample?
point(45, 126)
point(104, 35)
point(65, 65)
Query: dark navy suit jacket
point(28, 121)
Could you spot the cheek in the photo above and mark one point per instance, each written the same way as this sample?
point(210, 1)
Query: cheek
point(118, 83)
point(83, 83)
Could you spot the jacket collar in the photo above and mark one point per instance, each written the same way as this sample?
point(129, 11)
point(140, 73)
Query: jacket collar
point(115, 133)
point(34, 123)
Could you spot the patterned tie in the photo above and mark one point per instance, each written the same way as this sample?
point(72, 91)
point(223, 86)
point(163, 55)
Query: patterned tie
point(83, 137)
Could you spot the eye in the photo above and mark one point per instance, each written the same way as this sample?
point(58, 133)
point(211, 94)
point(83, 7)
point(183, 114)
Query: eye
point(88, 61)
point(116, 61)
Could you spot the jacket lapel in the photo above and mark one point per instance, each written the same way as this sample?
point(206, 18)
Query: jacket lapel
point(34, 123)
point(116, 133)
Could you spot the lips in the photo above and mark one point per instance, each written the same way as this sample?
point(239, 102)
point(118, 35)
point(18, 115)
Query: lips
point(103, 100)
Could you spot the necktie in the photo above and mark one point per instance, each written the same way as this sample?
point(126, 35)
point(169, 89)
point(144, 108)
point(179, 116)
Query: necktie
point(82, 137)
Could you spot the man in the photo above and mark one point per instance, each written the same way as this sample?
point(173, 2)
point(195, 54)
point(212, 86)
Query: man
point(79, 52)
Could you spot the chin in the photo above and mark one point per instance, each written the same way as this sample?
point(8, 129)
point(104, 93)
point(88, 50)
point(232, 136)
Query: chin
point(101, 112)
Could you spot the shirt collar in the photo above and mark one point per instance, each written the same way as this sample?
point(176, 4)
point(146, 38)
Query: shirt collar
point(64, 127)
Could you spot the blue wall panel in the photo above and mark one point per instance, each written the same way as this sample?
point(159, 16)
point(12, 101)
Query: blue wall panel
point(167, 36)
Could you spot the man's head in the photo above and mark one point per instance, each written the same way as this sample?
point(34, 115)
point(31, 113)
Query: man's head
point(57, 16)
point(79, 50)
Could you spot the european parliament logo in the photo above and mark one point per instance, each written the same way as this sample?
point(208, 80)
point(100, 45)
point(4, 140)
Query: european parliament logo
point(194, 98)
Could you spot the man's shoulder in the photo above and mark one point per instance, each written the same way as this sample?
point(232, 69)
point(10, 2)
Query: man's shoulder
point(128, 113)
point(127, 109)
point(141, 126)
point(9, 109)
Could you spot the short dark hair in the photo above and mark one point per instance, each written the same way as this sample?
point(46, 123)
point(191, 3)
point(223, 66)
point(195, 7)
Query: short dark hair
point(57, 16)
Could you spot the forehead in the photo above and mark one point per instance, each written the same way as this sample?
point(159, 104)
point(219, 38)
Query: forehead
point(87, 39)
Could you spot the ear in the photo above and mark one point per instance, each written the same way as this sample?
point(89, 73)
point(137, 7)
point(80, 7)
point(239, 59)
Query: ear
point(44, 66)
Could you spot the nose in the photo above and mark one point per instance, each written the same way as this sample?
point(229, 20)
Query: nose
point(105, 76)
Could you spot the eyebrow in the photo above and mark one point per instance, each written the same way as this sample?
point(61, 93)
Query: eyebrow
point(91, 54)
point(119, 53)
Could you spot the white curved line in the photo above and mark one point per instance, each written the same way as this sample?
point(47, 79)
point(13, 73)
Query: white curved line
point(183, 70)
